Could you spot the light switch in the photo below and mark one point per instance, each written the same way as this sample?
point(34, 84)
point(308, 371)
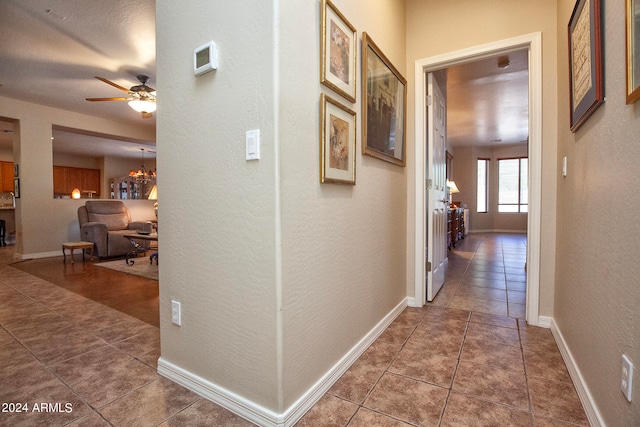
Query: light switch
point(253, 144)
point(564, 166)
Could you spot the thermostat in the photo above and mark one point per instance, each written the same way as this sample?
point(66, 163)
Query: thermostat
point(205, 58)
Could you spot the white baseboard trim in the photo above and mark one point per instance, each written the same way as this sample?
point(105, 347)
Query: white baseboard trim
point(498, 231)
point(259, 415)
point(24, 257)
point(544, 321)
point(590, 408)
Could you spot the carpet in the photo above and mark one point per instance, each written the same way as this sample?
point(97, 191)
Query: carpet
point(140, 267)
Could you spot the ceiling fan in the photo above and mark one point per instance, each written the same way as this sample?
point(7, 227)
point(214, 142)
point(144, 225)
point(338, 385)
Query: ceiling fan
point(142, 98)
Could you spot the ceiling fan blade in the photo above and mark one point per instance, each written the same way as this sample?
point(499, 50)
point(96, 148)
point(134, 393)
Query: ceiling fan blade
point(108, 99)
point(109, 82)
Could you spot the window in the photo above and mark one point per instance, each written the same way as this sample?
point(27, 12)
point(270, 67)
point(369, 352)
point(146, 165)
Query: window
point(513, 186)
point(483, 189)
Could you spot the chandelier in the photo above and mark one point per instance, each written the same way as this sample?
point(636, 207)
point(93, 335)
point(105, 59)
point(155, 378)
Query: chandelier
point(142, 175)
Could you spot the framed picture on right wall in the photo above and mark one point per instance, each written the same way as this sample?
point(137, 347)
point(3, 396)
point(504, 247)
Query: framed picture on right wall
point(585, 61)
point(633, 51)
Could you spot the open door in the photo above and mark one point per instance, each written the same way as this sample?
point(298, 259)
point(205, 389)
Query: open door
point(436, 195)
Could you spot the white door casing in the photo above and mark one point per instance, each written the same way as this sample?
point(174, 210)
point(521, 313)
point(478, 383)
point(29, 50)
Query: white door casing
point(437, 203)
point(532, 42)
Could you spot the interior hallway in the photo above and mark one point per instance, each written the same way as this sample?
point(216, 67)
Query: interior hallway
point(451, 363)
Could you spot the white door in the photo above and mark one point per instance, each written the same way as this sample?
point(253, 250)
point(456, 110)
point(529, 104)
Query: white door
point(437, 204)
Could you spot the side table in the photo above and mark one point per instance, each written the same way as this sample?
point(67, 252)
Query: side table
point(76, 245)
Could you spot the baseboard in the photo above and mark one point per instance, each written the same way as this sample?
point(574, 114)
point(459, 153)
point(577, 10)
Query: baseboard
point(498, 231)
point(590, 408)
point(24, 257)
point(544, 321)
point(262, 416)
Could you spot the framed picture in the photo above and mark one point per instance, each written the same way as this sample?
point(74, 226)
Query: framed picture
point(633, 51)
point(338, 49)
point(16, 170)
point(16, 187)
point(585, 61)
point(383, 110)
point(337, 142)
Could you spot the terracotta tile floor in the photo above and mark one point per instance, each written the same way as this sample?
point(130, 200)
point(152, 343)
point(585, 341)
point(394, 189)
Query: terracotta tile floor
point(459, 361)
point(467, 359)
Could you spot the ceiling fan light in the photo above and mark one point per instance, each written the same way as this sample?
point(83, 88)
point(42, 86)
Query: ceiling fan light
point(142, 106)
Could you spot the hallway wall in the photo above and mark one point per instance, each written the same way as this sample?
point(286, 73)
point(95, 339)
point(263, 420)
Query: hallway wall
point(597, 294)
point(279, 276)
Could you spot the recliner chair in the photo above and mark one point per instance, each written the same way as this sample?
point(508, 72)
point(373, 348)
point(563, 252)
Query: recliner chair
point(104, 223)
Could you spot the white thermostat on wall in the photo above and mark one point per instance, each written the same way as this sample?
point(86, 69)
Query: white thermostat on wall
point(205, 58)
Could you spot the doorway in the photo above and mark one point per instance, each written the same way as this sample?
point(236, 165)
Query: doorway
point(533, 44)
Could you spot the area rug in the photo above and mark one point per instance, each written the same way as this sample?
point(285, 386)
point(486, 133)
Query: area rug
point(140, 267)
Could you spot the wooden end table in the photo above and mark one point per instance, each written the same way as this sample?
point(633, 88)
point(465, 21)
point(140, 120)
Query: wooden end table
point(72, 246)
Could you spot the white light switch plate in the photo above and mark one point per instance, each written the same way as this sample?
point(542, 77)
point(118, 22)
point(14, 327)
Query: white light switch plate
point(253, 144)
point(176, 315)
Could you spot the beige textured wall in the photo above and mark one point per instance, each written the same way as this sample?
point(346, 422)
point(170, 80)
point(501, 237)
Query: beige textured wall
point(278, 264)
point(597, 294)
point(219, 209)
point(437, 27)
point(43, 223)
point(465, 176)
point(343, 247)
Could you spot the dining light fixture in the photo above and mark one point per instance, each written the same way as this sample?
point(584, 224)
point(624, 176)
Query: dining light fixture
point(142, 176)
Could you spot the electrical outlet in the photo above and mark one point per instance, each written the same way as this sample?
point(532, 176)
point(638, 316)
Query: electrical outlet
point(627, 377)
point(176, 315)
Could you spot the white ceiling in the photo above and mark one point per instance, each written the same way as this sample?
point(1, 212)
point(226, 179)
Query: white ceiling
point(52, 49)
point(487, 105)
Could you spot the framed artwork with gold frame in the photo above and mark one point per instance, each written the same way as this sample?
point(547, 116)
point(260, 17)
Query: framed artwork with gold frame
point(585, 62)
point(384, 106)
point(337, 142)
point(633, 50)
point(338, 51)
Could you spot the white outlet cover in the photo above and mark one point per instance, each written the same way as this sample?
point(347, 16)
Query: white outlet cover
point(176, 313)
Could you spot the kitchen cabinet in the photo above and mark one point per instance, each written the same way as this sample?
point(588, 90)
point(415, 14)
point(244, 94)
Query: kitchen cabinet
point(6, 176)
point(66, 178)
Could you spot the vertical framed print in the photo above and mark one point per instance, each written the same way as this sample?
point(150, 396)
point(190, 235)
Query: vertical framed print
point(633, 50)
point(338, 51)
point(585, 62)
point(383, 109)
point(337, 142)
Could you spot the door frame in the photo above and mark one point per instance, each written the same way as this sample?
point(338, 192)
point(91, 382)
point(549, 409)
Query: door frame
point(533, 43)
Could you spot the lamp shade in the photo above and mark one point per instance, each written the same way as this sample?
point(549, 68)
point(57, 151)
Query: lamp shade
point(143, 106)
point(453, 188)
point(153, 194)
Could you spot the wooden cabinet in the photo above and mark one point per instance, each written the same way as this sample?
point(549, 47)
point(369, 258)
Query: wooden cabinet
point(6, 176)
point(456, 226)
point(66, 178)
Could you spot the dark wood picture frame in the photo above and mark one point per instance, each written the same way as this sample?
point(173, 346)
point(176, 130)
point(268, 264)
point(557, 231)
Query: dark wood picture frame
point(384, 106)
point(586, 88)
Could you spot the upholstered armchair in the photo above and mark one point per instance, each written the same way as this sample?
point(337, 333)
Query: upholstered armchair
point(104, 223)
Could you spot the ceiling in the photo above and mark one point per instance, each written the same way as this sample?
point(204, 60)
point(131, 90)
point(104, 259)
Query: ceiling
point(52, 49)
point(488, 105)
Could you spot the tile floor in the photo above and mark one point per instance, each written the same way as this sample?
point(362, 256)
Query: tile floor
point(460, 361)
